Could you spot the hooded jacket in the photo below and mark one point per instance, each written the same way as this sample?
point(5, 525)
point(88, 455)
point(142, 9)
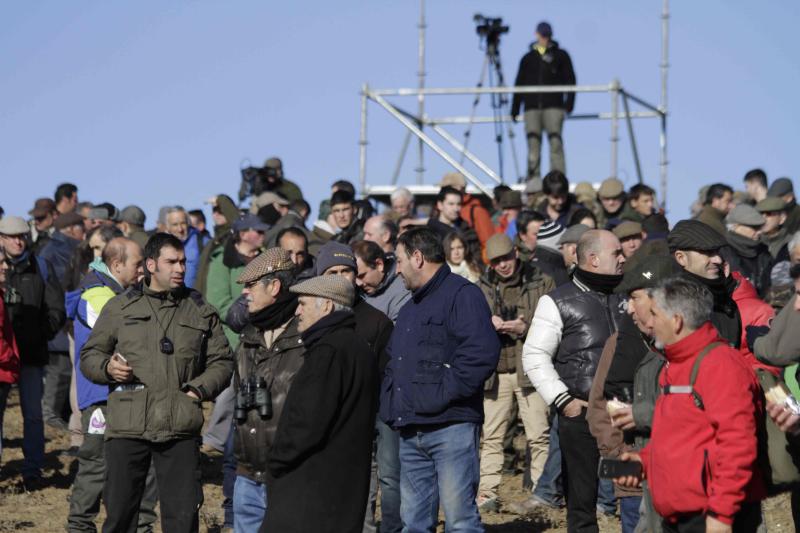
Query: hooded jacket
point(391, 295)
point(554, 67)
point(83, 307)
point(704, 460)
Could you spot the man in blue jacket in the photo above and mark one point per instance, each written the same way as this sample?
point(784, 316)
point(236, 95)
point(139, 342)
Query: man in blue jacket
point(442, 350)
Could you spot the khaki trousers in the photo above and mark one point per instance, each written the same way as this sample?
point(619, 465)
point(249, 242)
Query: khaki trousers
point(497, 405)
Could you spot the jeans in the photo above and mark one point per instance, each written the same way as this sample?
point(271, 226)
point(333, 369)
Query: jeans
point(629, 512)
point(249, 504)
point(388, 457)
point(606, 500)
point(440, 464)
point(548, 486)
point(30, 401)
point(228, 480)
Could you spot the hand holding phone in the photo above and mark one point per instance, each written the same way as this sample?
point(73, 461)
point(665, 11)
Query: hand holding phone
point(118, 369)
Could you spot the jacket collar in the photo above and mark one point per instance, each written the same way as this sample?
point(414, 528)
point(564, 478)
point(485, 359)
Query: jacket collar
point(252, 335)
point(432, 284)
point(327, 324)
point(390, 274)
point(688, 347)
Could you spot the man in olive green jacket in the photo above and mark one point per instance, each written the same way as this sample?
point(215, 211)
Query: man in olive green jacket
point(161, 350)
point(512, 289)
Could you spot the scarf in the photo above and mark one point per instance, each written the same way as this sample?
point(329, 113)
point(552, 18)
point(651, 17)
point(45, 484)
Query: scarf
point(720, 288)
point(603, 283)
point(277, 314)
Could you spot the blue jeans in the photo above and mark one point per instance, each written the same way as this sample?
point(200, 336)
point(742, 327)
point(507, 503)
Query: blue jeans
point(228, 479)
point(388, 457)
point(31, 388)
point(249, 505)
point(548, 486)
point(629, 512)
point(440, 464)
point(606, 500)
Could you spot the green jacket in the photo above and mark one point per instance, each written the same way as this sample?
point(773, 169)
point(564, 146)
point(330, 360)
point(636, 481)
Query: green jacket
point(521, 294)
point(221, 288)
point(289, 190)
point(714, 218)
point(157, 408)
point(222, 234)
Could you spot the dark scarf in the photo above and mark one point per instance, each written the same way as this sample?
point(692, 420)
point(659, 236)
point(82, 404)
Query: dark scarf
point(603, 283)
point(275, 315)
point(721, 289)
point(326, 324)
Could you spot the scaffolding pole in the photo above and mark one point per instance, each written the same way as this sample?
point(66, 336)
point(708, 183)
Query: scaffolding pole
point(662, 139)
point(421, 96)
point(614, 126)
point(362, 142)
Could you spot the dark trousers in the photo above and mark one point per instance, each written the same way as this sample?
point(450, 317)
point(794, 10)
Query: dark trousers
point(747, 520)
point(178, 476)
point(84, 502)
point(580, 457)
point(55, 400)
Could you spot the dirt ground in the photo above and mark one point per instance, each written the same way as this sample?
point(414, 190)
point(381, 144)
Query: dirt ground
point(46, 510)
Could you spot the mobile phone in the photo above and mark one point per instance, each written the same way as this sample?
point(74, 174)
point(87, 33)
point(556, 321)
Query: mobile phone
point(121, 358)
point(614, 468)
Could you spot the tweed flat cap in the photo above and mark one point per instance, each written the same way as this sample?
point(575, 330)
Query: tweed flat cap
point(498, 245)
point(610, 188)
point(68, 219)
point(694, 235)
point(780, 187)
point(454, 179)
point(13, 226)
point(745, 215)
point(269, 262)
point(627, 229)
point(573, 234)
point(336, 288)
point(648, 273)
point(584, 189)
point(770, 204)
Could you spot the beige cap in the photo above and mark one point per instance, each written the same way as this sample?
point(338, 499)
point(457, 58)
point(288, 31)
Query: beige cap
point(498, 245)
point(627, 229)
point(13, 226)
point(335, 288)
point(610, 188)
point(269, 262)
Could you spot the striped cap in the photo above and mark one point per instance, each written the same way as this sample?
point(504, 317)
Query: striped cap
point(269, 262)
point(694, 235)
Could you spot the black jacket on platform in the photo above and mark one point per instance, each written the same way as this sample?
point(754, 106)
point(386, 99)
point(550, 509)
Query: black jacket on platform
point(554, 67)
point(320, 458)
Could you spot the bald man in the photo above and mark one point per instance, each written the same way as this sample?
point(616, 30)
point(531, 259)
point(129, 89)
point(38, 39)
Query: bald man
point(381, 231)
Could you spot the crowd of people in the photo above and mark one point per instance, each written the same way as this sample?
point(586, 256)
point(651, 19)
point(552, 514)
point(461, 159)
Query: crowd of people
point(396, 354)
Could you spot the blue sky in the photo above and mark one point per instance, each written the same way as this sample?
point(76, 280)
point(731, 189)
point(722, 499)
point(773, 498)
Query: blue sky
point(157, 103)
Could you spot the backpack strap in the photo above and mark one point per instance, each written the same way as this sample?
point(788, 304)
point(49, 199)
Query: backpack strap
point(689, 389)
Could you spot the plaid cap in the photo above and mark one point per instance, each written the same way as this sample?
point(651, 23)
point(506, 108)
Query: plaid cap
point(336, 288)
point(269, 262)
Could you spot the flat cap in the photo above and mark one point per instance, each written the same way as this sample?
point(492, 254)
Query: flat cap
point(271, 261)
point(274, 163)
point(511, 200)
point(42, 207)
point(67, 220)
point(13, 226)
point(335, 288)
point(454, 179)
point(746, 215)
point(694, 235)
point(267, 198)
point(648, 273)
point(335, 254)
point(770, 204)
point(780, 187)
point(133, 215)
point(250, 221)
point(610, 188)
point(498, 245)
point(99, 213)
point(584, 189)
point(627, 229)
point(573, 234)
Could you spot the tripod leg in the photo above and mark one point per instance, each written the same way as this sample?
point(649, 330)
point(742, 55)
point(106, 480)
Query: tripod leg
point(475, 102)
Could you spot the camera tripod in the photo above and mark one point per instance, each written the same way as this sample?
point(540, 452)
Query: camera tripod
point(493, 69)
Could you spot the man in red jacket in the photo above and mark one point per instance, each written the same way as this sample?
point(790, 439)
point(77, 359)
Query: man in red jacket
point(701, 461)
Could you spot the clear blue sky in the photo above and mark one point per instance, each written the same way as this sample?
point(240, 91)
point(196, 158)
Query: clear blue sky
point(156, 103)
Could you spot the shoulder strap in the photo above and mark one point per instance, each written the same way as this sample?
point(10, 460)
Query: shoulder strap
point(698, 400)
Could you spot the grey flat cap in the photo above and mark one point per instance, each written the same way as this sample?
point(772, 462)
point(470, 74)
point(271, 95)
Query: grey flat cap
point(745, 215)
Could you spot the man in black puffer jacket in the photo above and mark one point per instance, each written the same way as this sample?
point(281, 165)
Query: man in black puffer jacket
point(35, 304)
point(561, 353)
point(545, 64)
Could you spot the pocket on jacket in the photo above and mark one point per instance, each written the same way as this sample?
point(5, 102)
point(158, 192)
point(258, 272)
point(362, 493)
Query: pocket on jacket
point(427, 394)
point(433, 332)
point(127, 412)
point(187, 414)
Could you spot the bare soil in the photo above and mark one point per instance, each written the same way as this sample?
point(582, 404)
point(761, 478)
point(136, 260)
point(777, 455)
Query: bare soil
point(45, 510)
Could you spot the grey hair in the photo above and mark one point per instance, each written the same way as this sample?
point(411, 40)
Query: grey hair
point(794, 242)
point(341, 307)
point(168, 210)
point(401, 192)
point(681, 296)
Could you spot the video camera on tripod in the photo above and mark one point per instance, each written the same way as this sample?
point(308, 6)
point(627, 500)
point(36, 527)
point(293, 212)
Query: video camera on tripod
point(489, 28)
point(256, 180)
